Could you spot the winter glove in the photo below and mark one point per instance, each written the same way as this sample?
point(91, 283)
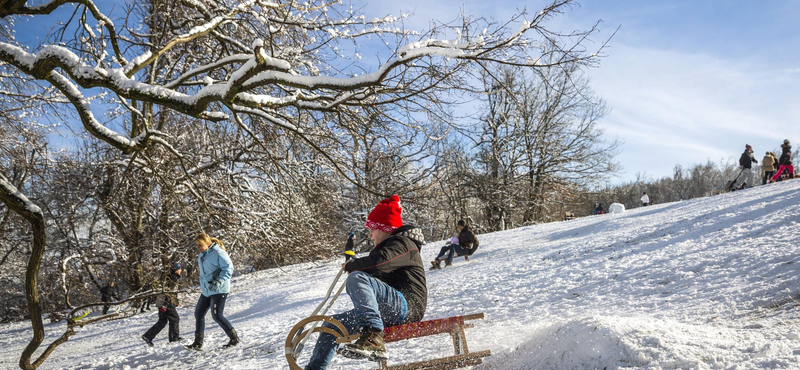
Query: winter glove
point(162, 309)
point(214, 285)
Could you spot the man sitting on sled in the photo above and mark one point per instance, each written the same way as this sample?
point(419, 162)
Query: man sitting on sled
point(387, 288)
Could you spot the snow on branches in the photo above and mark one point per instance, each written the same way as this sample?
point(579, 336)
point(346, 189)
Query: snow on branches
point(202, 66)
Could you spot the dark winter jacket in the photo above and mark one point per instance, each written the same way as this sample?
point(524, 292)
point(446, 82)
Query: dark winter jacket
point(171, 284)
point(108, 293)
point(468, 240)
point(786, 157)
point(599, 210)
point(747, 159)
point(396, 261)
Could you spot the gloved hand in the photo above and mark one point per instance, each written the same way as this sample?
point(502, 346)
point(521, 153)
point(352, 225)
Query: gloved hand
point(741, 167)
point(214, 285)
point(162, 309)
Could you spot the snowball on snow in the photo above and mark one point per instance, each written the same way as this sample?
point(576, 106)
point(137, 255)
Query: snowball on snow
point(616, 208)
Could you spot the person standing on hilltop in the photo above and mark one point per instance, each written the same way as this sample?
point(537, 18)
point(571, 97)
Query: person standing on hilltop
point(785, 162)
point(746, 164)
point(768, 167)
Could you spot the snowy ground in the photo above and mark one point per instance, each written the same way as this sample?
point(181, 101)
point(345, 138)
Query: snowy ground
point(709, 283)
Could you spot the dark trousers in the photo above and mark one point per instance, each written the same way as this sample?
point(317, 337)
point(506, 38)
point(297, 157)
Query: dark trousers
point(166, 315)
point(105, 308)
point(767, 176)
point(146, 304)
point(451, 250)
point(216, 303)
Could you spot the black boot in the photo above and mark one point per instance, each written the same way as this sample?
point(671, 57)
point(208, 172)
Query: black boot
point(234, 339)
point(369, 346)
point(197, 345)
point(147, 340)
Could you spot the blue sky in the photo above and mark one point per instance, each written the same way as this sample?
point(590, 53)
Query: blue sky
point(686, 81)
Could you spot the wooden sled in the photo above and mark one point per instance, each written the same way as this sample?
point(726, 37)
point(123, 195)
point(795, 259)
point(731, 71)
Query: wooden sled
point(452, 325)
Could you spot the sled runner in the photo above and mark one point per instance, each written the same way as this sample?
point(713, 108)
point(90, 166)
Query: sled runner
point(465, 256)
point(452, 325)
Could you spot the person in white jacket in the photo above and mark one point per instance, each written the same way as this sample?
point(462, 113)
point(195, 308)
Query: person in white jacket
point(645, 199)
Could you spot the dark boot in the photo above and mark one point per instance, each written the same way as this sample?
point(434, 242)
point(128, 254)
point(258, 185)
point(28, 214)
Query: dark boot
point(234, 339)
point(197, 345)
point(436, 265)
point(448, 263)
point(147, 340)
point(369, 346)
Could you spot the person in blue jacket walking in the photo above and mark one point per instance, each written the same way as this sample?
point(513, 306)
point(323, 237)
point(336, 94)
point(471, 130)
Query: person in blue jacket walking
point(215, 270)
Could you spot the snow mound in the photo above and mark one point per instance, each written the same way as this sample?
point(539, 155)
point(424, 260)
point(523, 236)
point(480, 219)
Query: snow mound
point(616, 208)
point(583, 343)
point(606, 343)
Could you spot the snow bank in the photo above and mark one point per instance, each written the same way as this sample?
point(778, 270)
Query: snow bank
point(616, 208)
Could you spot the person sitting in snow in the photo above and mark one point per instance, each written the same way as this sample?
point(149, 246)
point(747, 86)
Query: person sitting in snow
point(746, 164)
point(450, 248)
point(387, 288)
point(598, 209)
point(465, 244)
point(785, 163)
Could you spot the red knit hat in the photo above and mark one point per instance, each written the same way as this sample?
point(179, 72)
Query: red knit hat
point(386, 215)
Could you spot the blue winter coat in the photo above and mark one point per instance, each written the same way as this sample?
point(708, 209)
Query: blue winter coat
point(214, 264)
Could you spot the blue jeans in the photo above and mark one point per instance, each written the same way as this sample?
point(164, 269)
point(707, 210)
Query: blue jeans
point(216, 303)
point(377, 305)
point(454, 250)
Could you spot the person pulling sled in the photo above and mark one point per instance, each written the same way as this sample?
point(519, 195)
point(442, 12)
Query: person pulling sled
point(746, 164)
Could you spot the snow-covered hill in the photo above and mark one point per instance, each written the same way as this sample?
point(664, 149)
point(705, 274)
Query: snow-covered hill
point(709, 283)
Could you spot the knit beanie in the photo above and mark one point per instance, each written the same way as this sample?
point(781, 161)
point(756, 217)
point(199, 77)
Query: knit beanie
point(386, 215)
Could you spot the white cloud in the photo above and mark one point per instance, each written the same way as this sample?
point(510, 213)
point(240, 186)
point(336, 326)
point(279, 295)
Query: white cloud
point(678, 108)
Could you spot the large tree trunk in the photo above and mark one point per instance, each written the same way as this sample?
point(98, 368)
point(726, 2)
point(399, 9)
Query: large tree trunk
point(20, 204)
